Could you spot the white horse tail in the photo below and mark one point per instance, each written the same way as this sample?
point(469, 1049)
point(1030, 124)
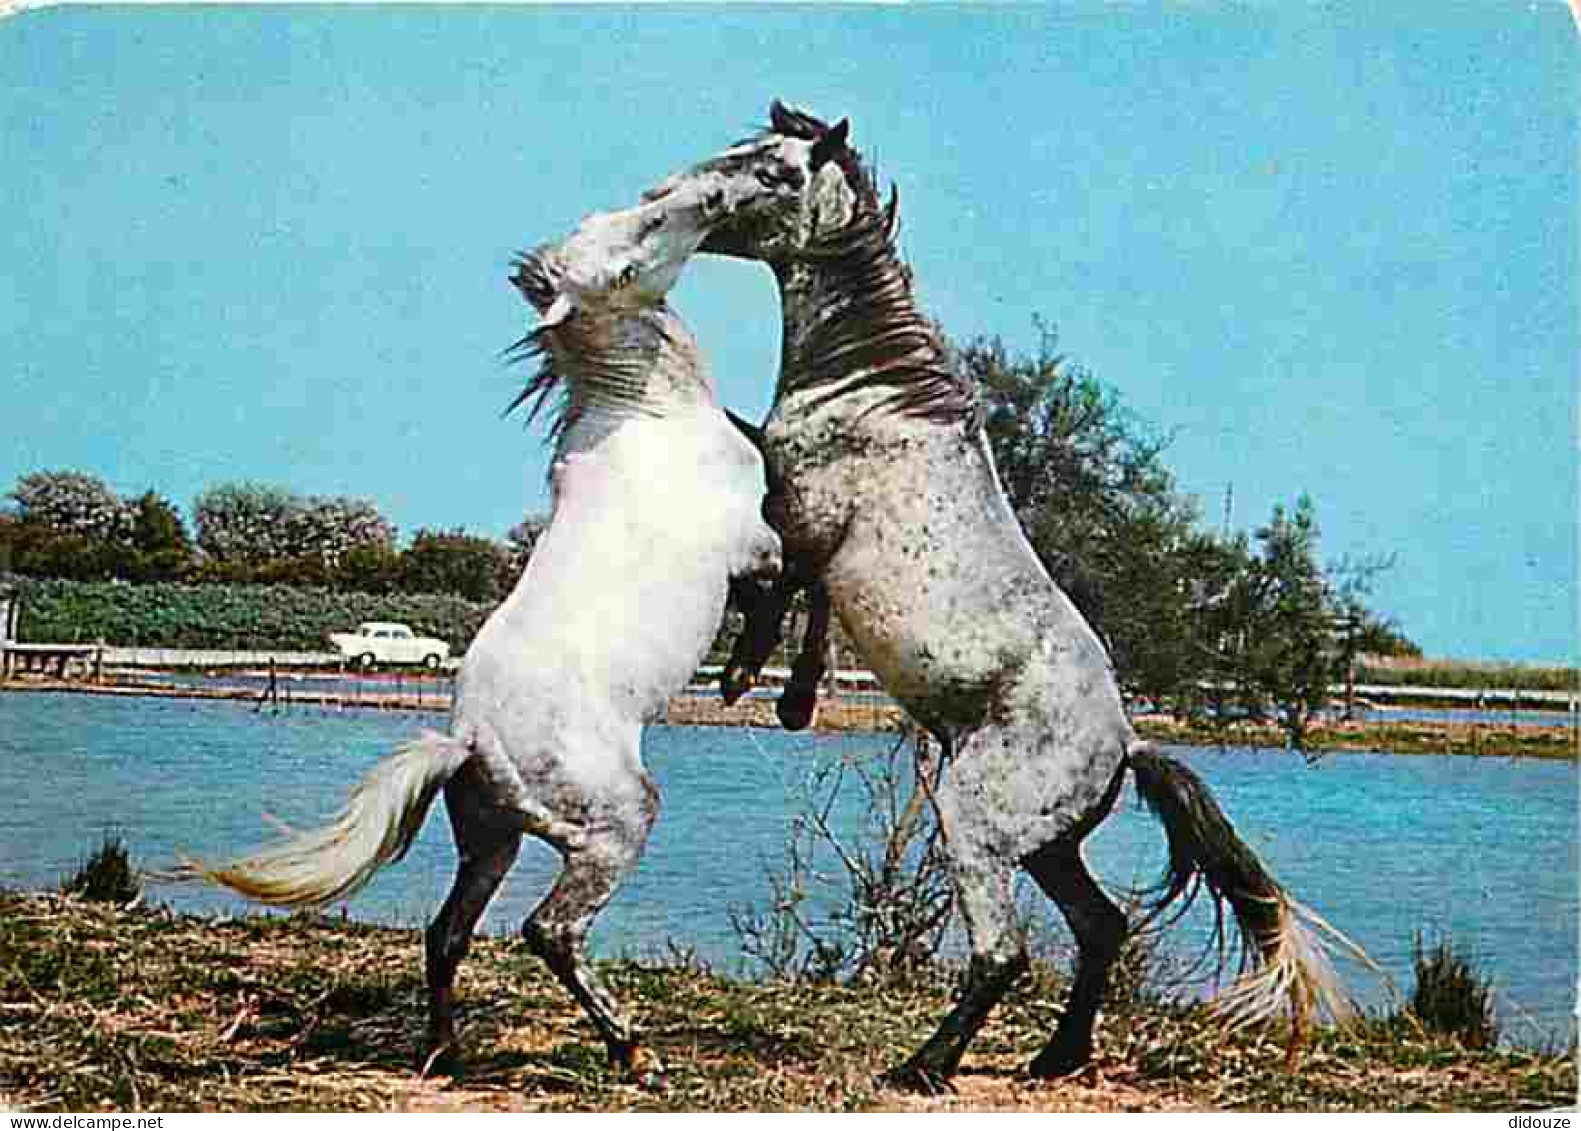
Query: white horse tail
point(376, 827)
point(1285, 945)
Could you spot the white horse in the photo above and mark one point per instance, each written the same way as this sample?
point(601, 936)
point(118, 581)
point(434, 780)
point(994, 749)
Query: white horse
point(657, 505)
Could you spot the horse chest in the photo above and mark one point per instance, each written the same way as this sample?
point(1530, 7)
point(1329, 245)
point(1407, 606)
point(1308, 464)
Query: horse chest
point(824, 467)
point(627, 585)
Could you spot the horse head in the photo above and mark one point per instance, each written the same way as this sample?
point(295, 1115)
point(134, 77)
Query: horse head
point(622, 261)
point(793, 183)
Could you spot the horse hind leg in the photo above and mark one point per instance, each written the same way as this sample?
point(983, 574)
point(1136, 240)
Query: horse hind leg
point(1100, 929)
point(987, 901)
point(557, 929)
point(487, 841)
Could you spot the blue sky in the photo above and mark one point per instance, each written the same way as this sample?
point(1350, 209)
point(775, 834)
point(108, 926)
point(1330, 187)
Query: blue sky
point(1331, 251)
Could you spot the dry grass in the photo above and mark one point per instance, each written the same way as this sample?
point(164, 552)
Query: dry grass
point(113, 1008)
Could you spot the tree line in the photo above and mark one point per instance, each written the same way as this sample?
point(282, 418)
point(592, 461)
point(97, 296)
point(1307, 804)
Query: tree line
point(1201, 621)
point(71, 525)
point(1197, 620)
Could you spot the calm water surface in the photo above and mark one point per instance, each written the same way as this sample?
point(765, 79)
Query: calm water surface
point(436, 689)
point(1484, 850)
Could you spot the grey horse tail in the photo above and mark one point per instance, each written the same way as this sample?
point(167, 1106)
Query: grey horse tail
point(376, 827)
point(1285, 956)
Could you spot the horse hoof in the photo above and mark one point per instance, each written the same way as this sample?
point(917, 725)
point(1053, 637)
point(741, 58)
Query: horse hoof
point(795, 714)
point(440, 1058)
point(1055, 1063)
point(918, 1077)
point(655, 1082)
point(639, 1065)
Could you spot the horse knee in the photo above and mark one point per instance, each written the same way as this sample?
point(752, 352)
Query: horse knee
point(1099, 926)
point(555, 945)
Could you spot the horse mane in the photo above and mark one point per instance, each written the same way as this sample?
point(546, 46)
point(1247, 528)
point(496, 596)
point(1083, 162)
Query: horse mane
point(880, 331)
point(578, 369)
point(535, 281)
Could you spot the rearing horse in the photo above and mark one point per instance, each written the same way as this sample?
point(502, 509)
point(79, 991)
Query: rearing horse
point(883, 490)
point(657, 505)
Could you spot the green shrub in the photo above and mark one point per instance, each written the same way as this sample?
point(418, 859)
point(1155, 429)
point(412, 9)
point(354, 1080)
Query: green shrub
point(252, 617)
point(107, 876)
point(1450, 997)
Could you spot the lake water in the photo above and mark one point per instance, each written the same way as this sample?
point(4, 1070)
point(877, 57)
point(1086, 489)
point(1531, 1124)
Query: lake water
point(436, 689)
point(1481, 849)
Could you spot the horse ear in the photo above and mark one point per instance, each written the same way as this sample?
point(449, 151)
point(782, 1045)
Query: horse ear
point(780, 118)
point(830, 144)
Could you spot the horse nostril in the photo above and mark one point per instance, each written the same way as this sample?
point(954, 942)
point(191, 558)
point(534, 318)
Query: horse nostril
point(628, 275)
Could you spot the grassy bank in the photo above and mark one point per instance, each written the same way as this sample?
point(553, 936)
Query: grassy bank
point(1406, 737)
point(1465, 675)
point(109, 1008)
point(1501, 741)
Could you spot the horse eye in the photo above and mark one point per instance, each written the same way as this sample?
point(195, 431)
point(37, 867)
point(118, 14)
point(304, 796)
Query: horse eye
point(651, 225)
point(773, 177)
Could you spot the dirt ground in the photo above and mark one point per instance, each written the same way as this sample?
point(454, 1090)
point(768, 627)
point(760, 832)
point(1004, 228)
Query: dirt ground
point(135, 1008)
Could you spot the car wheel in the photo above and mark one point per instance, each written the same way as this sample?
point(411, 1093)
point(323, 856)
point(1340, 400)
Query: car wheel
point(366, 661)
point(432, 661)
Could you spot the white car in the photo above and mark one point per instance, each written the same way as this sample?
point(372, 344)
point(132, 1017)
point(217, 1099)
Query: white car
point(386, 642)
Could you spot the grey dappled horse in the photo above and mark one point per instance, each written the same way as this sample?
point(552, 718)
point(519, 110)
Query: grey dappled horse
point(884, 492)
point(615, 610)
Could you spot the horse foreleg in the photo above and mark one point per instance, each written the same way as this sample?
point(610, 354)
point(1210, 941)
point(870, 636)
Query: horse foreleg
point(764, 607)
point(798, 702)
point(765, 611)
point(557, 929)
